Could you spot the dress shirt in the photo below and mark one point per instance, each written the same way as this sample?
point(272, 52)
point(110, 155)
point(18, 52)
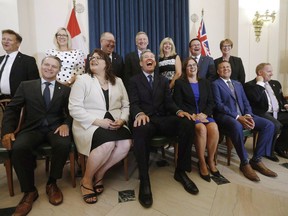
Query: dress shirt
point(270, 108)
point(51, 87)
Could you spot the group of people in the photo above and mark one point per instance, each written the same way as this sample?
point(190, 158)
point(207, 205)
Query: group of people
point(113, 103)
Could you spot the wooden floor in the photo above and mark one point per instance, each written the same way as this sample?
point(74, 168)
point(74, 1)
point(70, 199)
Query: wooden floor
point(239, 197)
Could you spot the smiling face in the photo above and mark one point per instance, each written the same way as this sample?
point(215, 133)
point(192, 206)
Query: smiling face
point(224, 70)
point(147, 62)
point(62, 38)
point(97, 63)
point(50, 68)
point(167, 47)
point(10, 43)
point(191, 68)
point(142, 41)
point(266, 73)
point(108, 43)
point(226, 48)
point(195, 48)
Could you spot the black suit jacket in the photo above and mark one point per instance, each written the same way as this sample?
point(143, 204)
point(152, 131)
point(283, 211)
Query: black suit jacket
point(117, 65)
point(132, 66)
point(258, 98)
point(237, 68)
point(207, 68)
point(29, 94)
point(184, 97)
point(24, 68)
point(152, 102)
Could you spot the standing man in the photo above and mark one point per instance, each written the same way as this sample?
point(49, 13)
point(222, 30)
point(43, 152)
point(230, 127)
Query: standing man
point(206, 65)
point(107, 42)
point(267, 100)
point(233, 113)
point(46, 119)
point(155, 113)
point(132, 59)
point(15, 67)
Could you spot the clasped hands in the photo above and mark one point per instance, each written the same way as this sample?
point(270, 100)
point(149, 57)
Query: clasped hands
point(110, 124)
point(247, 121)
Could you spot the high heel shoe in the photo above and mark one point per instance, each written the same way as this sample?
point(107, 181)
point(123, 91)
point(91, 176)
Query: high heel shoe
point(98, 188)
point(205, 177)
point(216, 173)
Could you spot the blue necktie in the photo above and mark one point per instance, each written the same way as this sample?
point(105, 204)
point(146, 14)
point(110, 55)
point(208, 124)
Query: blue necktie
point(150, 80)
point(46, 93)
point(232, 89)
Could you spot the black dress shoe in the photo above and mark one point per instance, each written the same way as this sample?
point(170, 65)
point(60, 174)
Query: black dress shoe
point(145, 194)
point(187, 183)
point(216, 174)
point(281, 153)
point(272, 158)
point(205, 177)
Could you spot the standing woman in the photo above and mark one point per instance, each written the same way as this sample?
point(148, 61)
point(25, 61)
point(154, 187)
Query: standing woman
point(169, 61)
point(72, 59)
point(194, 96)
point(237, 68)
point(100, 108)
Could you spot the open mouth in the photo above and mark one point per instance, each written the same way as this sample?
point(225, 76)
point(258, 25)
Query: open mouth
point(149, 63)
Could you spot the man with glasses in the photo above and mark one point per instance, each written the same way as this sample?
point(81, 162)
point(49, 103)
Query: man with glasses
point(206, 65)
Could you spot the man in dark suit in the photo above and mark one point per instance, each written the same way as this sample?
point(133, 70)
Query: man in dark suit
point(262, 92)
point(206, 65)
point(154, 112)
point(15, 67)
point(107, 42)
point(233, 113)
point(132, 59)
point(45, 119)
point(238, 72)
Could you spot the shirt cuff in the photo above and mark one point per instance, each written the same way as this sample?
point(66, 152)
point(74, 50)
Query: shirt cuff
point(140, 113)
point(261, 83)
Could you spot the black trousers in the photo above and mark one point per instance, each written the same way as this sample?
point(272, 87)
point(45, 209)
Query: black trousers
point(24, 160)
point(167, 126)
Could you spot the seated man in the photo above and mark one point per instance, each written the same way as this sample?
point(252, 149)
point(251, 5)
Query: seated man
point(267, 100)
point(46, 119)
point(154, 112)
point(233, 114)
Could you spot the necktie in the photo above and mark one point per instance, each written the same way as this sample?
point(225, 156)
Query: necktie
point(150, 80)
point(273, 99)
point(46, 93)
point(231, 87)
point(3, 66)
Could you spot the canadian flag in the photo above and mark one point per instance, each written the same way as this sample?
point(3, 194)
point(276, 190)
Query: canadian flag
point(78, 41)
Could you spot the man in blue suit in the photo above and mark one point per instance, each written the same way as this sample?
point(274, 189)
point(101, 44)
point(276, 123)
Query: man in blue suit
point(233, 114)
point(206, 64)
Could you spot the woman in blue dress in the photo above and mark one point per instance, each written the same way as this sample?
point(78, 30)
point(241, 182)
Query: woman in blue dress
point(194, 95)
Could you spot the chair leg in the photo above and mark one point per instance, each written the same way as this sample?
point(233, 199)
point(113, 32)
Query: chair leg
point(47, 163)
point(9, 174)
point(72, 168)
point(255, 138)
point(176, 153)
point(82, 161)
point(163, 152)
point(229, 149)
point(126, 173)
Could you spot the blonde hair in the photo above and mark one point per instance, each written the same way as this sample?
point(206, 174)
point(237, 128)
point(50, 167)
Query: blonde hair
point(170, 41)
point(69, 44)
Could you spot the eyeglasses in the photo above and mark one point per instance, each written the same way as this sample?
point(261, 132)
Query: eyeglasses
point(191, 65)
point(97, 58)
point(61, 35)
point(226, 46)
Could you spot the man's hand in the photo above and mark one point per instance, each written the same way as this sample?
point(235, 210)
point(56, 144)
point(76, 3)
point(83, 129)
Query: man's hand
point(63, 130)
point(259, 78)
point(6, 141)
point(141, 119)
point(247, 122)
point(183, 114)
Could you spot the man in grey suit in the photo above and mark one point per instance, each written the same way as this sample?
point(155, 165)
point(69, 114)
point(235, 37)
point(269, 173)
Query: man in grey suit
point(45, 119)
point(206, 64)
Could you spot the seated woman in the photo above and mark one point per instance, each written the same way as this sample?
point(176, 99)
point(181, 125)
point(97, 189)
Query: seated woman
point(194, 95)
point(100, 107)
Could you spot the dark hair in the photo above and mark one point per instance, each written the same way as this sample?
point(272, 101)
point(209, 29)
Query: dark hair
point(9, 31)
point(108, 68)
point(194, 39)
point(184, 66)
point(221, 62)
point(53, 57)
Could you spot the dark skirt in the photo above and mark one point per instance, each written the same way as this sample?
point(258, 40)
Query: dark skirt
point(102, 135)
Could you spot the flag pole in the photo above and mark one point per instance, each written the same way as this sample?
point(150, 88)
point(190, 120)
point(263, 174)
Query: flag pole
point(202, 13)
point(74, 3)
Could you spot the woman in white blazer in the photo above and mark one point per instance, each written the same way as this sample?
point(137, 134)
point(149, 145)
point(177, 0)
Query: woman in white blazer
point(99, 106)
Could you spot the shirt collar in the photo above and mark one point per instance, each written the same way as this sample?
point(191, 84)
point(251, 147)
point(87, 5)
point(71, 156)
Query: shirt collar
point(147, 74)
point(52, 82)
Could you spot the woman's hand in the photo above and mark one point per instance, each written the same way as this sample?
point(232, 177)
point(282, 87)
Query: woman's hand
point(117, 124)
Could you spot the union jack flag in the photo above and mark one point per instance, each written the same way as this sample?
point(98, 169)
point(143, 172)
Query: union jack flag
point(203, 39)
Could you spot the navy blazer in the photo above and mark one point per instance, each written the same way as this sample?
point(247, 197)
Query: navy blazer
point(29, 94)
point(24, 68)
point(258, 98)
point(142, 98)
point(206, 68)
point(237, 68)
point(184, 97)
point(225, 103)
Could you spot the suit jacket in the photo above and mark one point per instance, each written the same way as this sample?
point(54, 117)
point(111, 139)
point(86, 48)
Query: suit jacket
point(237, 68)
point(29, 94)
point(87, 103)
point(207, 68)
point(117, 65)
point(24, 68)
point(157, 101)
point(184, 97)
point(132, 66)
point(258, 98)
point(225, 103)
